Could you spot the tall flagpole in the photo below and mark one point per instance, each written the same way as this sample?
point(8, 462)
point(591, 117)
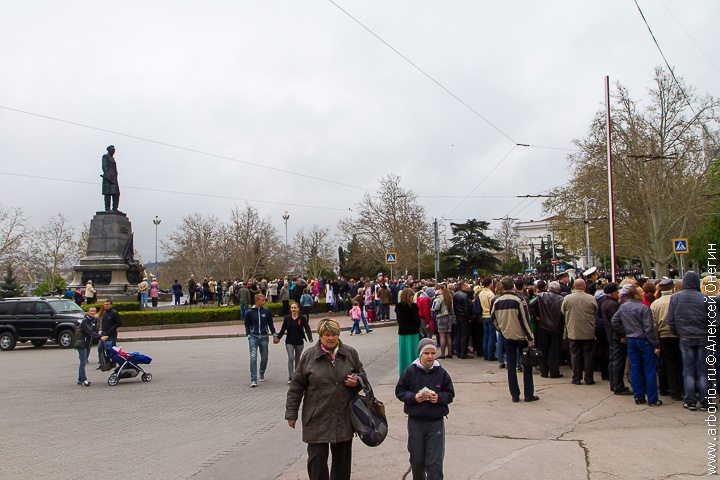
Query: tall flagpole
point(611, 201)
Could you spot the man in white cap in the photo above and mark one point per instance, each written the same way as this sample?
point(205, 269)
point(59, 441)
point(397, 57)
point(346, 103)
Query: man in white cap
point(590, 275)
point(426, 390)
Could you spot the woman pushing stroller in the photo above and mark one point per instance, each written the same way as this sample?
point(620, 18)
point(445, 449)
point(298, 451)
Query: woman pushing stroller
point(86, 334)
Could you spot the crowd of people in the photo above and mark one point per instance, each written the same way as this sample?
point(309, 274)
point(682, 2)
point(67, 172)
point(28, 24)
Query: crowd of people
point(657, 333)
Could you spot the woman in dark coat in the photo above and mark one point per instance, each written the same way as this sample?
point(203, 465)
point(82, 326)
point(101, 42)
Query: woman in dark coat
point(408, 321)
point(86, 334)
point(298, 330)
point(325, 381)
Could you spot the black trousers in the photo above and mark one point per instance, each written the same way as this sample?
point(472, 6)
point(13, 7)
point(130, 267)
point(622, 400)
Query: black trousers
point(476, 332)
point(512, 347)
point(115, 202)
point(670, 367)
point(581, 357)
point(616, 370)
point(426, 444)
point(341, 460)
point(461, 336)
point(550, 346)
point(601, 353)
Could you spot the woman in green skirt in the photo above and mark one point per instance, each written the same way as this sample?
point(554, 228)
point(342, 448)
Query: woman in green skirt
point(408, 320)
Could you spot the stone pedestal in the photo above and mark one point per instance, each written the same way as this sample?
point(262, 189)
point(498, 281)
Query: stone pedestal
point(109, 261)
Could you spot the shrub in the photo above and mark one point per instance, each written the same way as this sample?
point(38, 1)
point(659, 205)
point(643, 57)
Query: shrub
point(175, 317)
point(119, 306)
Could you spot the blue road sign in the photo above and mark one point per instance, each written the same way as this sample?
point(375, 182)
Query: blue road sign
point(390, 258)
point(680, 246)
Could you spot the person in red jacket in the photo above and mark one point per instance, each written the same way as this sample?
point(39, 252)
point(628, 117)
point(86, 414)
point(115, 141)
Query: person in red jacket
point(423, 303)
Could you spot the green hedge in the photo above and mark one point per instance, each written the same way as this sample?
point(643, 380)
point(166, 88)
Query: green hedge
point(139, 318)
point(119, 306)
point(175, 317)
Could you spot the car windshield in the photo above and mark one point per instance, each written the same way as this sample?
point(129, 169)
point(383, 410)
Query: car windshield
point(65, 306)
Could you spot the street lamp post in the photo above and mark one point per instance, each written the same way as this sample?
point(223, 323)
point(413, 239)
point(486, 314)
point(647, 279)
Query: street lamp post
point(286, 217)
point(156, 222)
point(588, 255)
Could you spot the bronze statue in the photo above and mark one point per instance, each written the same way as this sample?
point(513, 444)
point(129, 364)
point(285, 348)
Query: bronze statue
point(110, 187)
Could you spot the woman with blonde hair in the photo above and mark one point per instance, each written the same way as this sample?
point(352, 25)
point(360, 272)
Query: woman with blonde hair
point(408, 321)
point(325, 381)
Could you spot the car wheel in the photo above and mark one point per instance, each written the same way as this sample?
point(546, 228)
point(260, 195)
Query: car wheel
point(113, 380)
point(146, 377)
point(7, 341)
point(66, 339)
point(38, 343)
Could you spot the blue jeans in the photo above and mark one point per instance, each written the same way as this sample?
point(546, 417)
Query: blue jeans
point(83, 354)
point(643, 362)
point(500, 349)
point(143, 299)
point(355, 326)
point(177, 299)
point(262, 343)
point(362, 316)
point(489, 338)
point(243, 311)
point(695, 368)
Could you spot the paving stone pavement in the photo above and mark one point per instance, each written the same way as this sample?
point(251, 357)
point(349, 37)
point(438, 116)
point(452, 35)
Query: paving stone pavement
point(197, 410)
point(199, 420)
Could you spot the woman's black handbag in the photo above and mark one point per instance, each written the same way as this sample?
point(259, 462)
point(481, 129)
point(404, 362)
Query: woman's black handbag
point(81, 343)
point(531, 357)
point(367, 414)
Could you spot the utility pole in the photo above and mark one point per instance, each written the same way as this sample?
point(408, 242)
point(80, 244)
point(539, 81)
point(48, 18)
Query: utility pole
point(588, 254)
point(611, 200)
point(437, 250)
point(552, 244)
point(156, 222)
point(418, 255)
point(286, 217)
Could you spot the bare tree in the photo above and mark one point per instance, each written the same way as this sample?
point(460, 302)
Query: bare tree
point(251, 244)
point(49, 249)
point(193, 247)
point(507, 237)
point(390, 219)
point(660, 164)
point(314, 251)
point(12, 232)
point(81, 243)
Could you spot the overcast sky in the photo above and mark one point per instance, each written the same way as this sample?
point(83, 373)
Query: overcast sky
point(300, 86)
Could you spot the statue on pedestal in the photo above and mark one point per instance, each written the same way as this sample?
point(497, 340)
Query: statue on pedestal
point(110, 187)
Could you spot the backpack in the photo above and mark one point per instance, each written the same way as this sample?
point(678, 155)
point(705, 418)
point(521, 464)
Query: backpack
point(367, 414)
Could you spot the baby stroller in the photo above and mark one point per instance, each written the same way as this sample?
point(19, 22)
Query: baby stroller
point(128, 364)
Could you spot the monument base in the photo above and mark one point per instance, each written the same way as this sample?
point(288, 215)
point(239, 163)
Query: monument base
point(109, 262)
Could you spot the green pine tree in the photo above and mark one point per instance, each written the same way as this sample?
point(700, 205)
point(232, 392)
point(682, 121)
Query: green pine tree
point(470, 249)
point(10, 286)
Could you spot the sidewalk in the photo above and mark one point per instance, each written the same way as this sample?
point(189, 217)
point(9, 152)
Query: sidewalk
point(223, 329)
point(571, 433)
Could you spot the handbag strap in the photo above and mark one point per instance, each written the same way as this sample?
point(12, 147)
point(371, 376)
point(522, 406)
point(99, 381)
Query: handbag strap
point(365, 385)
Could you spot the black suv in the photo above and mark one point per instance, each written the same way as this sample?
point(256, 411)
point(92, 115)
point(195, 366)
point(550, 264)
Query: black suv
point(38, 320)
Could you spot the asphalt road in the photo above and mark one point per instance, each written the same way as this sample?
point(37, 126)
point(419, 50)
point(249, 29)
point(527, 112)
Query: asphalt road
point(197, 419)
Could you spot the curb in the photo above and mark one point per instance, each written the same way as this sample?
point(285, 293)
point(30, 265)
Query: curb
point(224, 335)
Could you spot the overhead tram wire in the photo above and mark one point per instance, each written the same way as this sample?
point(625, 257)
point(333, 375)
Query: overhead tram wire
point(419, 69)
point(176, 192)
point(702, 52)
point(482, 181)
point(438, 83)
point(672, 73)
point(180, 147)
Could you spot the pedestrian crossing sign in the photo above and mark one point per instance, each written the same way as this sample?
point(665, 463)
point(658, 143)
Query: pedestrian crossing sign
point(680, 246)
point(391, 258)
